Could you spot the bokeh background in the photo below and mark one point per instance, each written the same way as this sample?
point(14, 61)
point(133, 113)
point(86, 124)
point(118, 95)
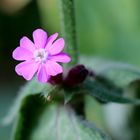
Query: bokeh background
point(105, 28)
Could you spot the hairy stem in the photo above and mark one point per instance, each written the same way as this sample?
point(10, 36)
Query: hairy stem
point(78, 105)
point(134, 119)
point(68, 28)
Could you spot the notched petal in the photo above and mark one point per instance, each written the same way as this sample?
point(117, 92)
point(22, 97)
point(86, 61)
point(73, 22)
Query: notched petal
point(22, 54)
point(53, 68)
point(61, 57)
point(57, 46)
point(42, 75)
point(26, 43)
point(27, 69)
point(50, 41)
point(40, 38)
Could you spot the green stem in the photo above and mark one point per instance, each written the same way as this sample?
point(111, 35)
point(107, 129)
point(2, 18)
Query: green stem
point(134, 118)
point(68, 28)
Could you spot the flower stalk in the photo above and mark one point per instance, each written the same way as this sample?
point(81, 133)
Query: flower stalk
point(68, 29)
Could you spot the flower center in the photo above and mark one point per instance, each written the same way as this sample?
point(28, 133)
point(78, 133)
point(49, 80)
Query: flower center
point(40, 55)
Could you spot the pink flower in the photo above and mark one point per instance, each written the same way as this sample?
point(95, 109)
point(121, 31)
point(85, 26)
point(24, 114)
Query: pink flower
point(40, 57)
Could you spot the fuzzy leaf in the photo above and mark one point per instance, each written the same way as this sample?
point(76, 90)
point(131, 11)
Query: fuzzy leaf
point(67, 98)
point(120, 74)
point(102, 90)
point(38, 120)
point(32, 87)
point(106, 94)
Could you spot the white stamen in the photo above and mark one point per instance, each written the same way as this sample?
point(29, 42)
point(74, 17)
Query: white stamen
point(40, 55)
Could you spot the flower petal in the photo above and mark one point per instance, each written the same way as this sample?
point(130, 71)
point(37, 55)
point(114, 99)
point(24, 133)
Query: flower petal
point(50, 41)
point(27, 44)
point(61, 57)
point(27, 69)
point(53, 68)
point(40, 38)
point(22, 54)
point(42, 74)
point(57, 46)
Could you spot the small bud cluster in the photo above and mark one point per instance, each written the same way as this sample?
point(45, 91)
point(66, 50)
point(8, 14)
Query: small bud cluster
point(75, 76)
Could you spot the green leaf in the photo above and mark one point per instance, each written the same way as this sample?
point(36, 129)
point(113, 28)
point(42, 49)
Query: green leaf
point(32, 87)
point(67, 97)
point(38, 120)
point(102, 90)
point(30, 110)
point(106, 94)
point(120, 74)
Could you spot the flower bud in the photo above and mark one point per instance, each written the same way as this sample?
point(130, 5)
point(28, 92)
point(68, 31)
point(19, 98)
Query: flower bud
point(76, 75)
point(56, 80)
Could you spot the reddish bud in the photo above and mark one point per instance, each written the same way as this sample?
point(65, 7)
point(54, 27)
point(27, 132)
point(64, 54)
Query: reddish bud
point(56, 80)
point(75, 76)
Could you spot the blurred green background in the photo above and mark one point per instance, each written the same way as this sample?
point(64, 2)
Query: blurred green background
point(105, 28)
